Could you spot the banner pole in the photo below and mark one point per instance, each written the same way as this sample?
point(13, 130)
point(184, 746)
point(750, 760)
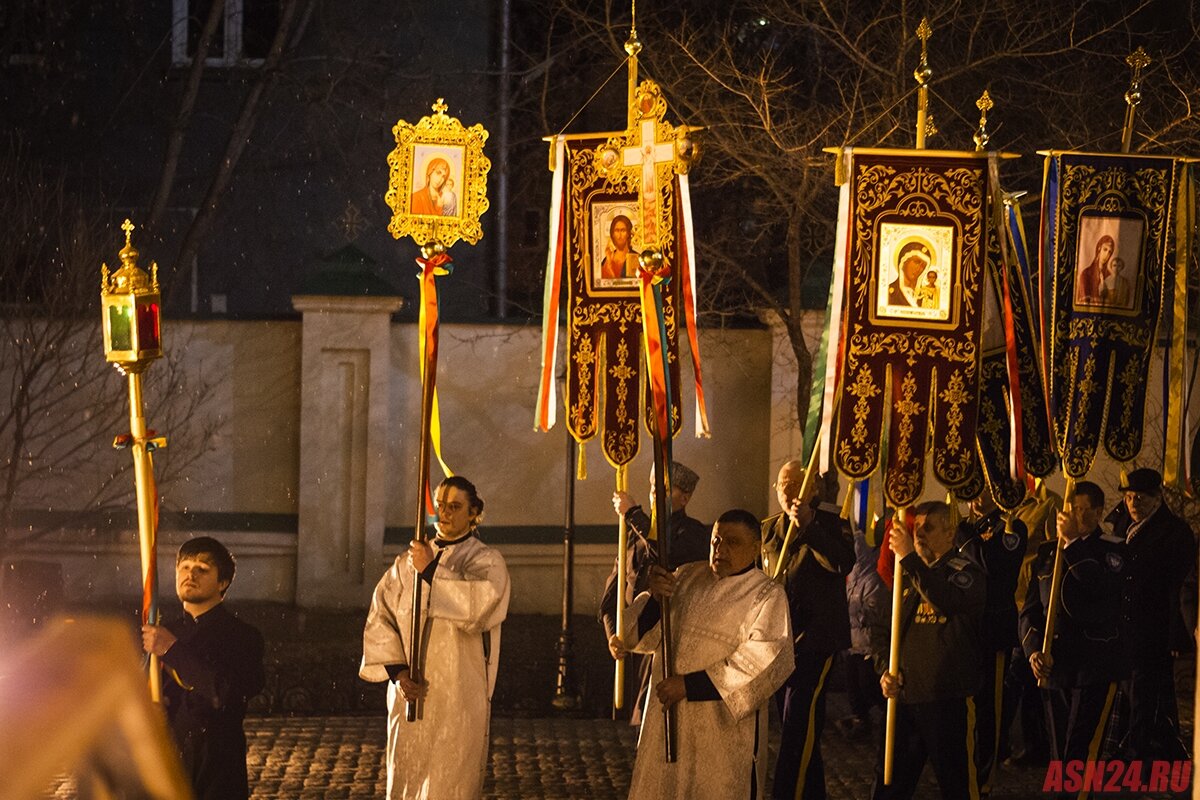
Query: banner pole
point(889, 741)
point(622, 480)
point(1056, 579)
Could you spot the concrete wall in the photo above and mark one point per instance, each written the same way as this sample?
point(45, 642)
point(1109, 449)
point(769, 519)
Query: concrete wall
point(487, 377)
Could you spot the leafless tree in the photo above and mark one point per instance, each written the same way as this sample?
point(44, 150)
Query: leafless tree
point(63, 404)
point(774, 84)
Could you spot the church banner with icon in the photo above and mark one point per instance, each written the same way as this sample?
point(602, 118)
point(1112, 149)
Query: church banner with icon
point(615, 198)
point(909, 277)
point(1115, 234)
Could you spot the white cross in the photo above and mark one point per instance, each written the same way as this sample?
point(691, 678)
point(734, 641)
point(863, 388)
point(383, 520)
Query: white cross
point(649, 154)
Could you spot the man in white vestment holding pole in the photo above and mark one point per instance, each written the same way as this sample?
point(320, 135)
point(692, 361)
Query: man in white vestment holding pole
point(732, 651)
point(443, 754)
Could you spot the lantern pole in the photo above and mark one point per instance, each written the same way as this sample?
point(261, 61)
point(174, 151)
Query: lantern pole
point(130, 304)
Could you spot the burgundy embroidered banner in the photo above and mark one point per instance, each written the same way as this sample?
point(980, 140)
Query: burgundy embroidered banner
point(615, 197)
point(914, 226)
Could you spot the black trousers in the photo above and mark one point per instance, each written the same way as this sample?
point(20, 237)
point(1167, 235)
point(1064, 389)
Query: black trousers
point(989, 715)
point(862, 684)
point(942, 733)
point(1153, 712)
point(1077, 718)
point(800, 770)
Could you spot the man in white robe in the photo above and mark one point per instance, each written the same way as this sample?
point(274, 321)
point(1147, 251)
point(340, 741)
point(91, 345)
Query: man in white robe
point(443, 755)
point(732, 651)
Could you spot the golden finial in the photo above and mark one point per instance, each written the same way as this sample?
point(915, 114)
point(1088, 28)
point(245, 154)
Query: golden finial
point(924, 32)
point(1137, 61)
point(128, 253)
point(984, 104)
point(440, 106)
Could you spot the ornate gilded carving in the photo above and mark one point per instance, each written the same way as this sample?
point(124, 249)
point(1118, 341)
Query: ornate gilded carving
point(437, 181)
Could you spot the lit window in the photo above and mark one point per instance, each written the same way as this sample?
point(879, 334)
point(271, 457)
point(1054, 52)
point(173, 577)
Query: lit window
point(242, 39)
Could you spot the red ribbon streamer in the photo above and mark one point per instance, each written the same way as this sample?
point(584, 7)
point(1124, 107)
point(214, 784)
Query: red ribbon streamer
point(689, 315)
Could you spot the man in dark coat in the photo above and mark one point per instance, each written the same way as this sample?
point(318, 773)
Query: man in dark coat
point(689, 542)
point(1085, 661)
point(1160, 550)
point(813, 571)
point(941, 609)
point(212, 665)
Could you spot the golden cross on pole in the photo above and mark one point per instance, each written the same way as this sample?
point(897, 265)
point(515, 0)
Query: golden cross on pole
point(1137, 61)
point(984, 104)
point(648, 154)
point(128, 227)
point(922, 74)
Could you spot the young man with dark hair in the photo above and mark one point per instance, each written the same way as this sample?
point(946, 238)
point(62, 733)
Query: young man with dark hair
point(212, 665)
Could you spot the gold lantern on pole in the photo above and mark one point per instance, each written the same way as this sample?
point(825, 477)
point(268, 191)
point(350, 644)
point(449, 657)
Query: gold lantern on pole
point(130, 305)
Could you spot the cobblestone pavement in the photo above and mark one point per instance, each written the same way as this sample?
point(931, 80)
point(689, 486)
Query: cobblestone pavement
point(531, 759)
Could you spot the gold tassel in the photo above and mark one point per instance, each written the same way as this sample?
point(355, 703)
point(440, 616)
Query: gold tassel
point(581, 463)
point(848, 503)
point(955, 515)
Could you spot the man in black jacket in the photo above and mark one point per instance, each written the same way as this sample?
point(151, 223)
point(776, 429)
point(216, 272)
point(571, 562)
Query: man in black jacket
point(813, 571)
point(1085, 660)
point(941, 610)
point(689, 542)
point(1160, 550)
point(212, 665)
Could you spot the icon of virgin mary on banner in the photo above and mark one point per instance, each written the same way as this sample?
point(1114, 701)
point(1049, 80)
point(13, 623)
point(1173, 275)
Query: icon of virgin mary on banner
point(1115, 247)
point(909, 270)
point(612, 198)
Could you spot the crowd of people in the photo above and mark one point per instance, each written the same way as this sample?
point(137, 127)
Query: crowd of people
point(760, 612)
point(976, 684)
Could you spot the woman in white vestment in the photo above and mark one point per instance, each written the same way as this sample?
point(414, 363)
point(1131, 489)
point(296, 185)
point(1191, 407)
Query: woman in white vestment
point(443, 755)
point(732, 651)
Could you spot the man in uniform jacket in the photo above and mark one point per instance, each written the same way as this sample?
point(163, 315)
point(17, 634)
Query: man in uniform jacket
point(1160, 550)
point(814, 570)
point(998, 545)
point(689, 542)
point(941, 610)
point(1086, 659)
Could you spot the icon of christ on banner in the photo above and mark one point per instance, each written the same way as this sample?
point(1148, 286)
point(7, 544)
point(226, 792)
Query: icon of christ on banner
point(614, 245)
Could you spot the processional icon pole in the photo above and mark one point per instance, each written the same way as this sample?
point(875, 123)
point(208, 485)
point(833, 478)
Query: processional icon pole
point(130, 304)
point(437, 190)
point(628, 305)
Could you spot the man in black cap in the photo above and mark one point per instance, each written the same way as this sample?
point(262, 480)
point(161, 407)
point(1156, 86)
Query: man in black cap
point(1086, 659)
point(1160, 550)
point(689, 542)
